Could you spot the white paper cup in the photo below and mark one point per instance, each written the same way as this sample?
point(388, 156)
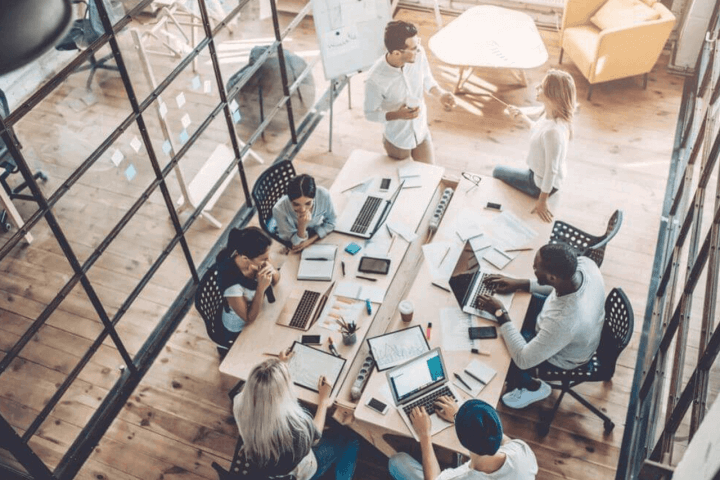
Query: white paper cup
point(406, 310)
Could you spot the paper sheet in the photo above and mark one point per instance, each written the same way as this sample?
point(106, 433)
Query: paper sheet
point(398, 347)
point(341, 308)
point(441, 258)
point(468, 224)
point(308, 364)
point(360, 292)
point(455, 323)
point(403, 230)
point(507, 231)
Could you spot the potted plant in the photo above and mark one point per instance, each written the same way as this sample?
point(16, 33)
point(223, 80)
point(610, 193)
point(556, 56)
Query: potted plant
point(348, 330)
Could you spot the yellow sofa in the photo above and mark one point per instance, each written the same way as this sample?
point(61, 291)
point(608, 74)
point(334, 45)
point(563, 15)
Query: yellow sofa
point(628, 45)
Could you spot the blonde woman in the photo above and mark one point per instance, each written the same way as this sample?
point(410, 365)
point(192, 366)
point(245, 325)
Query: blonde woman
point(280, 437)
point(549, 139)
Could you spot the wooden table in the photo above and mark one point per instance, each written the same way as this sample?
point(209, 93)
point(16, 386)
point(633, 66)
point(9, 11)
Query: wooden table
point(429, 300)
point(264, 335)
point(492, 37)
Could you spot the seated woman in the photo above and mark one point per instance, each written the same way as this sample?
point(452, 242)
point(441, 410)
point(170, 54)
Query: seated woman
point(244, 276)
point(549, 139)
point(280, 436)
point(305, 214)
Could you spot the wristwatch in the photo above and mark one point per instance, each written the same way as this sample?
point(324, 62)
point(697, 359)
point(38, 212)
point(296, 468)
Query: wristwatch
point(500, 313)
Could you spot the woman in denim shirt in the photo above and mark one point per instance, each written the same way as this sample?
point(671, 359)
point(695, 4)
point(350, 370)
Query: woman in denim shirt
point(305, 214)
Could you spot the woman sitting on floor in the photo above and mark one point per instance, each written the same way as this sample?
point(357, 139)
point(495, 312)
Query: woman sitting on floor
point(549, 138)
point(244, 276)
point(280, 437)
point(305, 214)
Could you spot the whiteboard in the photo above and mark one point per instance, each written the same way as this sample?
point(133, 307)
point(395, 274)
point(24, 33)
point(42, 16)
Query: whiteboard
point(350, 34)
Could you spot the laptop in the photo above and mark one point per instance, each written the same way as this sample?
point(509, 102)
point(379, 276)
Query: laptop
point(303, 308)
point(365, 213)
point(420, 382)
point(467, 283)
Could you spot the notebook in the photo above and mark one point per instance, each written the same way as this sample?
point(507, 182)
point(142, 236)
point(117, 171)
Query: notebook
point(317, 262)
point(475, 377)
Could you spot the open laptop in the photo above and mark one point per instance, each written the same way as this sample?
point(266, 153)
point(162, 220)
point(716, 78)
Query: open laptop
point(420, 382)
point(365, 213)
point(303, 308)
point(467, 283)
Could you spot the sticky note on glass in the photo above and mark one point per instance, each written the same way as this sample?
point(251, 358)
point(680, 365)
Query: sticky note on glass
point(233, 105)
point(207, 86)
point(167, 147)
point(130, 172)
point(135, 143)
point(162, 109)
point(117, 157)
point(236, 116)
point(185, 120)
point(196, 83)
point(180, 99)
point(184, 137)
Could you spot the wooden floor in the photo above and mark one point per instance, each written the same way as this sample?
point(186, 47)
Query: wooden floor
point(179, 419)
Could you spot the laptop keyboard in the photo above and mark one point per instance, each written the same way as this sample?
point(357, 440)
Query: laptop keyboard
point(304, 309)
point(483, 289)
point(366, 214)
point(428, 402)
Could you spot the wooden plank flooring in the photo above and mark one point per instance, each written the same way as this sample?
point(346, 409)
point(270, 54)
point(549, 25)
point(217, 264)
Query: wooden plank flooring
point(179, 419)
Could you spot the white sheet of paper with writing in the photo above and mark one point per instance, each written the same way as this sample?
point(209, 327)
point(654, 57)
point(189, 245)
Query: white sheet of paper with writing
point(307, 364)
point(454, 324)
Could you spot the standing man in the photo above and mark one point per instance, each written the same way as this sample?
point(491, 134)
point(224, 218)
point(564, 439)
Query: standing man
point(394, 94)
point(493, 456)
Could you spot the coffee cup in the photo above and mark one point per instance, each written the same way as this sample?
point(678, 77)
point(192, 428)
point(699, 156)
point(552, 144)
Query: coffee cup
point(406, 310)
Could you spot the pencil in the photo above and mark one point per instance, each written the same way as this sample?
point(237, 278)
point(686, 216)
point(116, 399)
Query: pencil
point(353, 187)
point(271, 354)
point(525, 249)
point(496, 98)
point(443, 259)
point(366, 278)
point(391, 244)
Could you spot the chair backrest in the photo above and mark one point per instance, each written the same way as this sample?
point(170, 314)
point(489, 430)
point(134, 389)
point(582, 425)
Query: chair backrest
point(617, 329)
point(4, 112)
point(269, 187)
point(209, 303)
point(242, 469)
point(597, 251)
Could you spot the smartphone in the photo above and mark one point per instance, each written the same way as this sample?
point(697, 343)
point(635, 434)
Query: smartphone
point(374, 265)
point(384, 184)
point(311, 340)
point(377, 405)
point(493, 206)
point(482, 332)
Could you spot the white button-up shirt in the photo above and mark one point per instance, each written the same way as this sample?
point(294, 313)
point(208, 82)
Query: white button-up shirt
point(388, 88)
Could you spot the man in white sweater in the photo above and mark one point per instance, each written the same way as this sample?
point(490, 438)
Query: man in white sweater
point(563, 324)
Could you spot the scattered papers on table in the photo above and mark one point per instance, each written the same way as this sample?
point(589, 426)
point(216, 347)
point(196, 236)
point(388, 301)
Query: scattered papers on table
point(454, 324)
point(403, 230)
point(340, 308)
point(496, 258)
point(411, 174)
point(441, 258)
point(468, 224)
point(360, 292)
point(508, 232)
point(480, 242)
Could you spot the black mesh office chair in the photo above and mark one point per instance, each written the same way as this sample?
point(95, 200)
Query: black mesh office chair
point(209, 303)
point(268, 189)
point(83, 32)
point(583, 243)
point(616, 333)
point(242, 469)
point(8, 166)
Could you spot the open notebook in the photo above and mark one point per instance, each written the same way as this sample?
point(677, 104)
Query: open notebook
point(317, 262)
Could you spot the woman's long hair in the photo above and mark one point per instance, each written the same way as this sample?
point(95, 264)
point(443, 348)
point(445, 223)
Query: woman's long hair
point(269, 418)
point(250, 241)
point(559, 88)
point(301, 186)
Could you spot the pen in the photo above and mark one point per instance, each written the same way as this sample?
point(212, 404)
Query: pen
point(428, 330)
point(354, 186)
point(366, 278)
point(478, 352)
point(317, 259)
point(368, 306)
point(518, 249)
point(332, 348)
point(271, 354)
point(463, 382)
point(391, 244)
point(443, 259)
point(476, 378)
point(342, 265)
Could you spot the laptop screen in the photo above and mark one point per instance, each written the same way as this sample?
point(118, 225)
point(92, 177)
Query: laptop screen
point(462, 276)
point(416, 375)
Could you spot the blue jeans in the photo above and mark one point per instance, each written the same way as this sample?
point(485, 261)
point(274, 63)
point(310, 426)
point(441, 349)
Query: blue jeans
point(521, 179)
point(337, 446)
point(404, 467)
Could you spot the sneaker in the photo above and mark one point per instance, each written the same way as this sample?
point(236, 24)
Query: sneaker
point(522, 397)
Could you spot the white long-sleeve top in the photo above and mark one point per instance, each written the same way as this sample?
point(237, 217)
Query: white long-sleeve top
point(388, 88)
point(549, 141)
point(568, 327)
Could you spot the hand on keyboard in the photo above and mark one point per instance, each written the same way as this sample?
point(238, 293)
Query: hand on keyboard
point(446, 408)
point(421, 422)
point(488, 303)
point(502, 284)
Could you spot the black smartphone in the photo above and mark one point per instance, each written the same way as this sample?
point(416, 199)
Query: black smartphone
point(477, 333)
point(374, 265)
point(493, 206)
point(377, 405)
point(384, 184)
point(311, 339)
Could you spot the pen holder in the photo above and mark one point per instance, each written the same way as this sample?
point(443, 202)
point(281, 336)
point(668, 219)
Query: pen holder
point(440, 210)
point(362, 378)
point(349, 338)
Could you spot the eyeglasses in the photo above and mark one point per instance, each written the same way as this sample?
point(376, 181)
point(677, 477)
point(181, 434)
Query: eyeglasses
point(472, 178)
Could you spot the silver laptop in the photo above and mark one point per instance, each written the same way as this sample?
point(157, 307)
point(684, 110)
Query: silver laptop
point(420, 382)
point(365, 213)
point(467, 283)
